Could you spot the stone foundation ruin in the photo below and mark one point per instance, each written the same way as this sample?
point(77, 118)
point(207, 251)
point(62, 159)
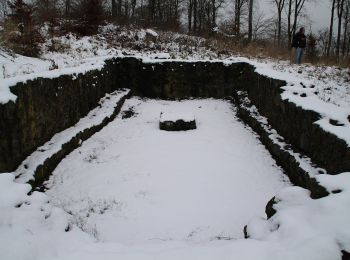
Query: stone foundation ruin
point(47, 106)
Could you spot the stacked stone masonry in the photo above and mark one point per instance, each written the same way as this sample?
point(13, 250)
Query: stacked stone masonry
point(47, 106)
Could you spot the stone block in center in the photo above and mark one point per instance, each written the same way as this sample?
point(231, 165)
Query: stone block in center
point(176, 122)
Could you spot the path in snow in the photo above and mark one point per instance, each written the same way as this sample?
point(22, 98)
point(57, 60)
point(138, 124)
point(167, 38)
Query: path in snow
point(132, 183)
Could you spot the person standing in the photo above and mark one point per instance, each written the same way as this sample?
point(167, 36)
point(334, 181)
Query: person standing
point(299, 42)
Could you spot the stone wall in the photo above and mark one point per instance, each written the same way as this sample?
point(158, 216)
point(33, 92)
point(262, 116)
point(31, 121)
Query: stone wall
point(297, 126)
point(47, 106)
point(177, 80)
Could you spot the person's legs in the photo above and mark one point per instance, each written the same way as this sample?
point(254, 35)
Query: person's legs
point(299, 55)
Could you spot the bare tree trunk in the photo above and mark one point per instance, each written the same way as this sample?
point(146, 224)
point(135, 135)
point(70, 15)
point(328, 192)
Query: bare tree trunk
point(340, 9)
point(299, 4)
point(237, 18)
point(141, 10)
point(199, 17)
point(126, 10)
point(114, 9)
point(289, 16)
point(133, 7)
point(160, 12)
point(279, 29)
point(280, 6)
point(209, 18)
point(190, 10)
point(331, 29)
point(195, 15)
point(346, 24)
point(119, 9)
point(295, 16)
point(250, 20)
point(213, 16)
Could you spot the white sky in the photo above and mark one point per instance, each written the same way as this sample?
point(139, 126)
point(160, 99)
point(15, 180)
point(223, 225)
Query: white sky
point(318, 11)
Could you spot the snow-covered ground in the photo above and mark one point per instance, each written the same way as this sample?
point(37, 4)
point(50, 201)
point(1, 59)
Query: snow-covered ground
point(133, 183)
point(135, 192)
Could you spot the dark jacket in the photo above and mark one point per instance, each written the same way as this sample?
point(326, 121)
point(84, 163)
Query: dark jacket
point(299, 40)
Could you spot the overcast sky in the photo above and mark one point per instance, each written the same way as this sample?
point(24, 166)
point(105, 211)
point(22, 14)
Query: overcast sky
point(317, 10)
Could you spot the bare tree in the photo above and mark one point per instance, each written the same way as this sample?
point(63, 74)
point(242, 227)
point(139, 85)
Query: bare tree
point(238, 4)
point(298, 6)
point(289, 21)
point(215, 6)
point(346, 26)
point(202, 15)
point(322, 41)
point(189, 14)
point(195, 4)
point(331, 28)
point(279, 6)
point(340, 11)
point(250, 20)
point(261, 25)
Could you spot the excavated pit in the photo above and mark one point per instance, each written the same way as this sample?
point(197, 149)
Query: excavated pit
point(45, 107)
point(134, 184)
point(124, 180)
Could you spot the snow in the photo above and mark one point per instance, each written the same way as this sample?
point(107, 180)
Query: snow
point(7, 95)
point(70, 56)
point(10, 65)
point(30, 228)
point(108, 198)
point(324, 221)
point(174, 116)
point(305, 162)
point(132, 183)
point(107, 105)
point(151, 32)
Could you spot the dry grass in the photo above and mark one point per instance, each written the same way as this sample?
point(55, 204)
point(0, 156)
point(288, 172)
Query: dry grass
point(264, 49)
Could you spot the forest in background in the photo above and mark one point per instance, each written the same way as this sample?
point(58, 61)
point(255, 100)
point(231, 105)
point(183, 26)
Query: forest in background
point(246, 29)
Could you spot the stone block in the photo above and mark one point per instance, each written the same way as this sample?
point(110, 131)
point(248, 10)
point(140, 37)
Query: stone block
point(176, 122)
